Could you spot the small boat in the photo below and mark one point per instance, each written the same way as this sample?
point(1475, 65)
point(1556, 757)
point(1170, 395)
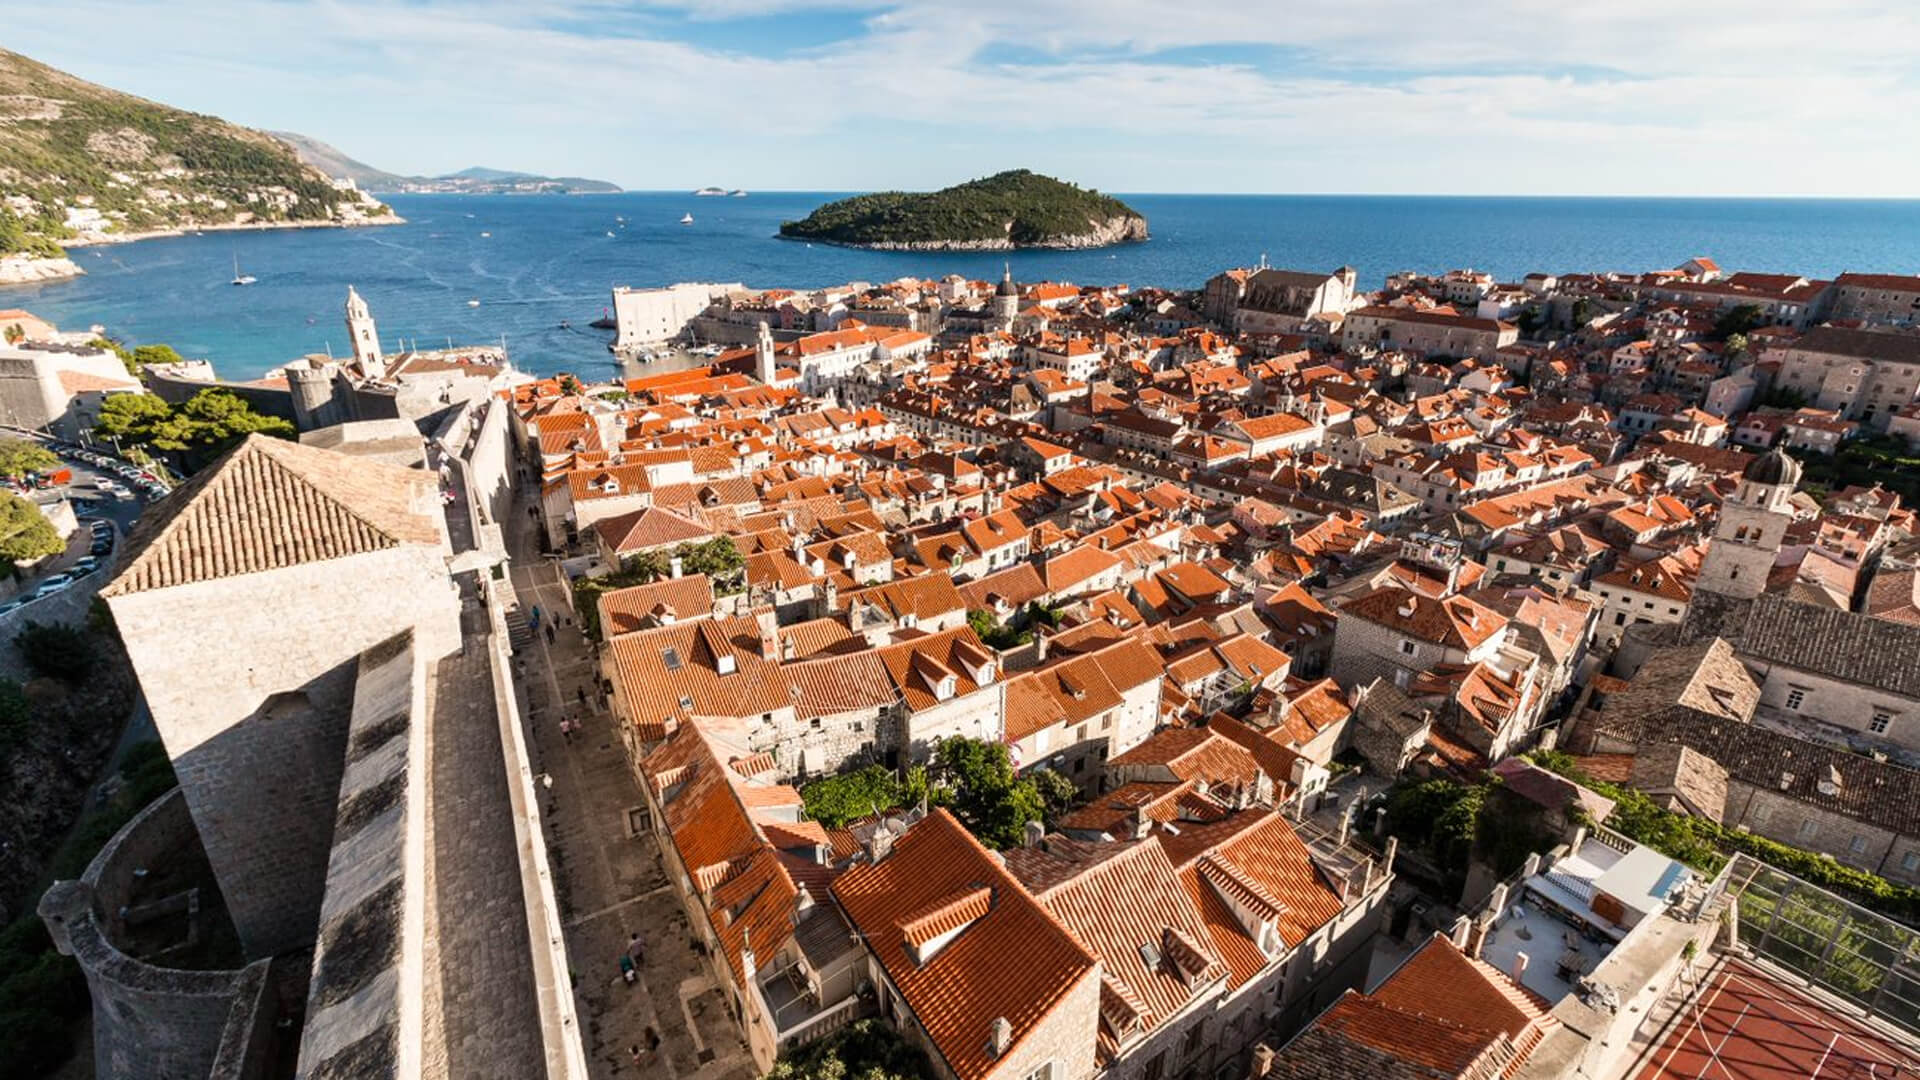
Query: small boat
point(738, 194)
point(609, 234)
point(473, 303)
point(686, 219)
point(486, 236)
point(619, 218)
point(240, 278)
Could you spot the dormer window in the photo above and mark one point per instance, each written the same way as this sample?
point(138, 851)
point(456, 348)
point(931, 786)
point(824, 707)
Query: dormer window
point(726, 664)
point(945, 687)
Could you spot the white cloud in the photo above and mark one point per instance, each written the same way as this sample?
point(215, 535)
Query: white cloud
point(1387, 96)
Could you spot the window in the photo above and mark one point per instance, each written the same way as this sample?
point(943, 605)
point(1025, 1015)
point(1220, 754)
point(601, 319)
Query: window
point(1880, 722)
point(1196, 1038)
point(1406, 647)
point(1808, 829)
point(1044, 1072)
point(1795, 698)
point(1910, 862)
point(1857, 845)
point(1155, 1066)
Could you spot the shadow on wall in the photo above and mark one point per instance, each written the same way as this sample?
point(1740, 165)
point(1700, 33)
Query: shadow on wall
point(263, 792)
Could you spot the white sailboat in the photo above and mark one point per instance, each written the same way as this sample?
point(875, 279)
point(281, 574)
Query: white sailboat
point(238, 277)
point(686, 219)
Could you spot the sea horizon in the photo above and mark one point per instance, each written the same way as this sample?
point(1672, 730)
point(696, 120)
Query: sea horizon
point(545, 266)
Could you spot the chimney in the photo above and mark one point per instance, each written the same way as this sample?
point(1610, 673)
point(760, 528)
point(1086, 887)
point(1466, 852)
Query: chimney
point(1035, 836)
point(1458, 934)
point(674, 568)
point(1519, 966)
point(1142, 824)
point(1262, 1064)
point(769, 627)
point(1001, 1038)
point(880, 844)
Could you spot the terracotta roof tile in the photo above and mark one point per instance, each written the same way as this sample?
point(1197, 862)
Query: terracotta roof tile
point(270, 504)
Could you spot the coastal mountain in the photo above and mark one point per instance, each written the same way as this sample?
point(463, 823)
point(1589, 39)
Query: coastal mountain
point(473, 181)
point(1016, 209)
point(82, 163)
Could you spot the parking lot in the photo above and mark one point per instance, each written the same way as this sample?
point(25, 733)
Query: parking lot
point(108, 495)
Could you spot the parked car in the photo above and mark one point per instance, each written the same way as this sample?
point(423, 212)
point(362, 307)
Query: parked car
point(53, 585)
point(84, 566)
point(11, 604)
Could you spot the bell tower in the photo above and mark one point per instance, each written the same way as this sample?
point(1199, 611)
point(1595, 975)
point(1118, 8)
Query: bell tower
point(365, 338)
point(1752, 528)
point(763, 356)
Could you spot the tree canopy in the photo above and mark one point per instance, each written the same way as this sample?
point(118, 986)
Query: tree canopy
point(1020, 207)
point(208, 425)
point(18, 457)
point(25, 533)
point(1738, 320)
point(863, 1050)
point(988, 798)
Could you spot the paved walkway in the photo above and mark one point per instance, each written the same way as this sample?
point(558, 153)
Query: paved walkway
point(609, 882)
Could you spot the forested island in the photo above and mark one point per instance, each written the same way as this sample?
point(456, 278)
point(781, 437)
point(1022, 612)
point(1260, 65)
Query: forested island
point(1015, 209)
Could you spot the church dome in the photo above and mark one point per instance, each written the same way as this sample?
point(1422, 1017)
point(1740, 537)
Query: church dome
point(1006, 287)
point(1774, 468)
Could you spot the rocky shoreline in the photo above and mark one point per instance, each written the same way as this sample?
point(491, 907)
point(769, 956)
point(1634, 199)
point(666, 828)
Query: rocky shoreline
point(31, 270)
point(1109, 233)
point(28, 269)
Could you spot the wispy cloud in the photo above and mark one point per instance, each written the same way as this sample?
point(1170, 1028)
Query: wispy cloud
point(1511, 96)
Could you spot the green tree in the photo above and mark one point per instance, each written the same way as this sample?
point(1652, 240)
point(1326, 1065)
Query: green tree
point(835, 801)
point(717, 558)
point(18, 457)
point(208, 425)
point(15, 334)
point(131, 418)
point(1736, 345)
point(864, 1050)
point(1057, 793)
point(56, 650)
point(993, 803)
point(153, 354)
point(25, 533)
point(218, 419)
point(125, 354)
point(1738, 320)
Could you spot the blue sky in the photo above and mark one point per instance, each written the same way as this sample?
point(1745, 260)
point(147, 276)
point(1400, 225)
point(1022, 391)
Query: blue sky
point(1388, 96)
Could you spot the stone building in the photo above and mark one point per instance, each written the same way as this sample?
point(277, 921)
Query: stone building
point(1269, 300)
point(246, 698)
point(1863, 375)
point(57, 387)
point(331, 682)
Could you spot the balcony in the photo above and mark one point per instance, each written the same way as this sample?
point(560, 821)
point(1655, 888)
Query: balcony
point(819, 991)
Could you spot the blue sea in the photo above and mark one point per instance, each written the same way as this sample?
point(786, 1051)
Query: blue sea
point(536, 262)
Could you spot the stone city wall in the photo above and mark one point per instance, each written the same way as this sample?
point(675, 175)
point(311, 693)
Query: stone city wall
point(149, 1022)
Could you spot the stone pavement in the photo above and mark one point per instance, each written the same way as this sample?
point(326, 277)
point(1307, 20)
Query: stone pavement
point(481, 1012)
point(609, 881)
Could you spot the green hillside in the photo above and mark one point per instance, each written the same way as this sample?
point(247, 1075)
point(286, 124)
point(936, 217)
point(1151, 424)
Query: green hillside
point(1011, 209)
point(126, 164)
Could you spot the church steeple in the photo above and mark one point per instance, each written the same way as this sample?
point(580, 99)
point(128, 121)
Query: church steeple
point(365, 338)
point(763, 356)
point(1752, 527)
point(1006, 296)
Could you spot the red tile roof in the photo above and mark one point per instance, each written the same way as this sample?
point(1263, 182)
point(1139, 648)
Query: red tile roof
point(1013, 962)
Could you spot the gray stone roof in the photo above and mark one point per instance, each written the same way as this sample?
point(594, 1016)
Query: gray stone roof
point(271, 504)
point(1837, 644)
point(1683, 773)
point(1706, 678)
point(1877, 792)
point(1862, 344)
